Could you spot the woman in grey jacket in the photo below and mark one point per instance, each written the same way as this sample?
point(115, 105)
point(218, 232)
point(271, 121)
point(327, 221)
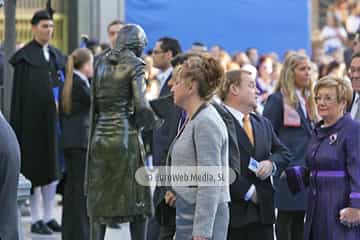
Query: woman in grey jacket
point(201, 207)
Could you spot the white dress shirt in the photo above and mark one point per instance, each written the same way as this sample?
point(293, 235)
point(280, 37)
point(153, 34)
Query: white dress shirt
point(163, 76)
point(355, 106)
point(46, 52)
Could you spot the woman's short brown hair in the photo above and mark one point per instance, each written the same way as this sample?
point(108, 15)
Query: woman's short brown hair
point(203, 69)
point(343, 87)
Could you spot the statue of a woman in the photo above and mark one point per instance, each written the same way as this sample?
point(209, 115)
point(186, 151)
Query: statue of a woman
point(119, 111)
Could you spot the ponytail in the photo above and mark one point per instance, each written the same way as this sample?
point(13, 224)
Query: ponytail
point(68, 84)
point(76, 60)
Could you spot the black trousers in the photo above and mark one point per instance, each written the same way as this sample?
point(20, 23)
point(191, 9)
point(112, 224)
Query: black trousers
point(75, 222)
point(158, 231)
point(253, 231)
point(167, 232)
point(152, 229)
point(290, 225)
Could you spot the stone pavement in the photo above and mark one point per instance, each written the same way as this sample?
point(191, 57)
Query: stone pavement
point(111, 234)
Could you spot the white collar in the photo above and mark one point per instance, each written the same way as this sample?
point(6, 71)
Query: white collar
point(355, 105)
point(299, 94)
point(236, 113)
point(163, 75)
point(357, 96)
point(82, 77)
point(302, 100)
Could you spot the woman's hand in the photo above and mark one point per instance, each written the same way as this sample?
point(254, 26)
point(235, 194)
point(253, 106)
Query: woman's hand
point(350, 217)
point(265, 169)
point(170, 198)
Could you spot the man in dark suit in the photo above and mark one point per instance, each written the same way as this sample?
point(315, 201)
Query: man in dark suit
point(9, 175)
point(252, 195)
point(164, 51)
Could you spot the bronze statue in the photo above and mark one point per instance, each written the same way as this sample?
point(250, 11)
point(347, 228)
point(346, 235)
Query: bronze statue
point(119, 111)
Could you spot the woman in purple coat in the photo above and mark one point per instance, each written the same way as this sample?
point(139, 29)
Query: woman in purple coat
point(333, 167)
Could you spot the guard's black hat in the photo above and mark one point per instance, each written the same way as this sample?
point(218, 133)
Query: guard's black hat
point(40, 15)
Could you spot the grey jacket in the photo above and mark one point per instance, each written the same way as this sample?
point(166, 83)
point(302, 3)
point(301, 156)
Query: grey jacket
point(9, 175)
point(203, 142)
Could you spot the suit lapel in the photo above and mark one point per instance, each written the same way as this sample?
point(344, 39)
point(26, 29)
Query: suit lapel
point(352, 103)
point(231, 127)
point(257, 132)
point(165, 90)
point(229, 121)
point(232, 132)
point(304, 120)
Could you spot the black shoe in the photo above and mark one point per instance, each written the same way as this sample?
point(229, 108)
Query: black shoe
point(114, 225)
point(40, 228)
point(54, 226)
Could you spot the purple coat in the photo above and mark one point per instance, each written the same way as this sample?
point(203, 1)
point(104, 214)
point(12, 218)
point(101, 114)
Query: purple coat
point(334, 180)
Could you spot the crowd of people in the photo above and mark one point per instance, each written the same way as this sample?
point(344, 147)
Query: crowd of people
point(288, 130)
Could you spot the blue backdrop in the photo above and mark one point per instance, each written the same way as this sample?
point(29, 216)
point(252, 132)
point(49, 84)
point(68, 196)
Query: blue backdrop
point(269, 25)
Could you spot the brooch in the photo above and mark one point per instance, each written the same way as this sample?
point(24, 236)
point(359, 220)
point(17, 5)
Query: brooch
point(333, 138)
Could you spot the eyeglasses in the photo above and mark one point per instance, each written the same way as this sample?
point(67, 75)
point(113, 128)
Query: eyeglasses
point(326, 99)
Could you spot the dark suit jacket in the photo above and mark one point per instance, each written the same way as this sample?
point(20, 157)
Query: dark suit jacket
point(267, 146)
point(9, 175)
point(234, 152)
point(75, 126)
point(347, 57)
point(348, 109)
point(296, 140)
point(162, 138)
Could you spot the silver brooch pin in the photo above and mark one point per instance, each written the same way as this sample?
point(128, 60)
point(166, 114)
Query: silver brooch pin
point(333, 138)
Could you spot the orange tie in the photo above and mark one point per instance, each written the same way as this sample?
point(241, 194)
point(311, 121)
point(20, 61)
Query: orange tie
point(248, 129)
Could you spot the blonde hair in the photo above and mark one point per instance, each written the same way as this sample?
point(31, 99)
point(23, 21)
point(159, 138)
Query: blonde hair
point(343, 88)
point(75, 60)
point(203, 69)
point(286, 84)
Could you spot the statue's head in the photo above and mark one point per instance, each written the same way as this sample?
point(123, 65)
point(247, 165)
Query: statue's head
point(131, 37)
